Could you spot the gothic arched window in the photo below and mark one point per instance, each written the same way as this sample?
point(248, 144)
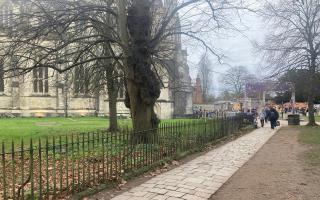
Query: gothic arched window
point(81, 80)
point(40, 80)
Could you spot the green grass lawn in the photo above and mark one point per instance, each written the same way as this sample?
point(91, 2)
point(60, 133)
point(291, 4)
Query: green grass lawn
point(25, 128)
point(17, 128)
point(318, 118)
point(311, 136)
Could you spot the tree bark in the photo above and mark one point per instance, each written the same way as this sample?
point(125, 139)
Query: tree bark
point(65, 92)
point(311, 95)
point(143, 86)
point(112, 88)
point(142, 111)
point(312, 121)
point(97, 103)
point(113, 121)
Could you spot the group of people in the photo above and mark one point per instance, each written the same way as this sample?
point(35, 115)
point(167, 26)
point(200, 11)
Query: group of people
point(207, 113)
point(269, 114)
point(204, 113)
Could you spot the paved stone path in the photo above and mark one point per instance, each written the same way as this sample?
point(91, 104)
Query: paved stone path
point(203, 176)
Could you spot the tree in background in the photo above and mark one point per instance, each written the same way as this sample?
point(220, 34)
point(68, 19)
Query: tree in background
point(298, 77)
point(225, 96)
point(235, 79)
point(294, 41)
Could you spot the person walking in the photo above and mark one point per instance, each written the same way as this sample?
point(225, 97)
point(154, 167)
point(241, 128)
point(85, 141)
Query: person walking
point(273, 116)
point(262, 117)
point(267, 113)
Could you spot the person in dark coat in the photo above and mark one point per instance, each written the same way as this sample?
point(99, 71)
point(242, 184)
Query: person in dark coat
point(267, 110)
point(273, 116)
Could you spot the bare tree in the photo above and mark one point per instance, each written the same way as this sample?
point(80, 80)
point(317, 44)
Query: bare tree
point(142, 83)
point(235, 80)
point(140, 43)
point(294, 42)
point(73, 41)
point(225, 96)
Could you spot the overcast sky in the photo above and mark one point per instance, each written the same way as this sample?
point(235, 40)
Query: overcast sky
point(237, 47)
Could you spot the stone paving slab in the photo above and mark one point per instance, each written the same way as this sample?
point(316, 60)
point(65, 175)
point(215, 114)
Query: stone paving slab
point(203, 176)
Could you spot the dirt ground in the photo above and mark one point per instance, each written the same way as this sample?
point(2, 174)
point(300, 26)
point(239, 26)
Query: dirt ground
point(278, 171)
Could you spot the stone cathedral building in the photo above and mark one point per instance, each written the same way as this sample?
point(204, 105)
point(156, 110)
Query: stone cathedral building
point(43, 92)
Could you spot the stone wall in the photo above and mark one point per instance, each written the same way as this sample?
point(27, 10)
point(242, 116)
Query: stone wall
point(197, 92)
point(18, 99)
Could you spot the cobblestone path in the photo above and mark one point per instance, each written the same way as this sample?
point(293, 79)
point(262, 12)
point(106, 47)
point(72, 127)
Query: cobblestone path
point(203, 176)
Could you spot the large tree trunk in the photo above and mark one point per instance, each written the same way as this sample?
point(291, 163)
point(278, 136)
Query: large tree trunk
point(311, 95)
point(112, 88)
point(97, 103)
point(65, 92)
point(143, 86)
point(141, 107)
point(312, 120)
point(113, 121)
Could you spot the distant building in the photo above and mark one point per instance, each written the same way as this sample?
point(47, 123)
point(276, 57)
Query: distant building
point(182, 92)
point(247, 104)
point(223, 105)
point(297, 105)
point(197, 92)
point(44, 92)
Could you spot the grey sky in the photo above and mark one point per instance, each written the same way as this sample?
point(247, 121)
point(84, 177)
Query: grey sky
point(236, 47)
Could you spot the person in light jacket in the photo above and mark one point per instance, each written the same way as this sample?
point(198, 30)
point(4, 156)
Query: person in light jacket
point(262, 117)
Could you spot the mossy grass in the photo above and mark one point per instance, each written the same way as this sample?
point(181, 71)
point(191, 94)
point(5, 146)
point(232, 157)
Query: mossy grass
point(311, 136)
